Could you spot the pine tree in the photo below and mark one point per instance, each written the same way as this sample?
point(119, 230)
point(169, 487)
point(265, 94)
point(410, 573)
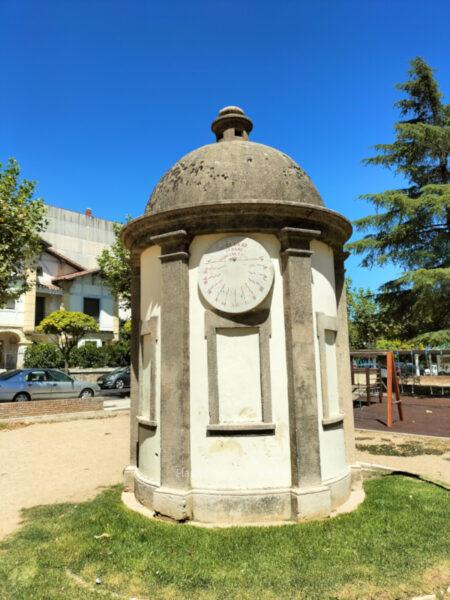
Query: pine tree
point(411, 226)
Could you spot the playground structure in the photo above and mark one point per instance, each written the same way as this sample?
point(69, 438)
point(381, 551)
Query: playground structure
point(407, 373)
point(369, 380)
point(425, 372)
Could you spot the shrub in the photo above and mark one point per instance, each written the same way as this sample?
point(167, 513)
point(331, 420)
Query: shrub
point(88, 356)
point(43, 355)
point(118, 353)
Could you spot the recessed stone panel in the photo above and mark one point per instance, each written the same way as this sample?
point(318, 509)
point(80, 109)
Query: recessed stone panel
point(239, 375)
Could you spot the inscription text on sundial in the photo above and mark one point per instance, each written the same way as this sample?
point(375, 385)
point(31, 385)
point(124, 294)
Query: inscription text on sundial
point(235, 274)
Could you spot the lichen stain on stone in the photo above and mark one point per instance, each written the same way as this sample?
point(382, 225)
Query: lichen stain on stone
point(231, 446)
point(247, 413)
point(254, 171)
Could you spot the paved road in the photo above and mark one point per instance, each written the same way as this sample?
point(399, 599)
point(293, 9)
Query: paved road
point(116, 404)
point(69, 461)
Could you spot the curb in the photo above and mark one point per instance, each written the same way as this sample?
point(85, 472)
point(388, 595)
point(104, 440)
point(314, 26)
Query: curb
point(402, 434)
point(60, 417)
point(373, 469)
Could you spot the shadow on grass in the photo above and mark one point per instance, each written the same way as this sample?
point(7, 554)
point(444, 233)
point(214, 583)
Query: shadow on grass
point(395, 545)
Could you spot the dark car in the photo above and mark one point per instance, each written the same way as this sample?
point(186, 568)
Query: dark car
point(118, 379)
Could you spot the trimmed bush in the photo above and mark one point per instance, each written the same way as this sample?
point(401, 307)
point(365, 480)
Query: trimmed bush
point(43, 355)
point(118, 354)
point(88, 356)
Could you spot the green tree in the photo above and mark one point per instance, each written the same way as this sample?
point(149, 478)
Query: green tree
point(22, 220)
point(125, 331)
point(68, 328)
point(395, 344)
point(364, 323)
point(411, 226)
point(115, 267)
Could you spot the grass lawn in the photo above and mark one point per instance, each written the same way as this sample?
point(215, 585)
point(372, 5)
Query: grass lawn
point(395, 545)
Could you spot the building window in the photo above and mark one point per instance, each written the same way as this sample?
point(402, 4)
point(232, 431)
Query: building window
point(40, 310)
point(10, 305)
point(91, 307)
point(39, 271)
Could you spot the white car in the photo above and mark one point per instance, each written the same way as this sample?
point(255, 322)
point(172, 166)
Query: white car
point(35, 384)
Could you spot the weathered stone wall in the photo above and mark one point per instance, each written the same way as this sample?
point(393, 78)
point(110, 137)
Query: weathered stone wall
point(332, 441)
point(235, 462)
point(90, 375)
point(150, 371)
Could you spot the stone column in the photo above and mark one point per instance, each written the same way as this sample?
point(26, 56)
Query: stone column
point(173, 497)
point(310, 497)
point(343, 356)
point(134, 378)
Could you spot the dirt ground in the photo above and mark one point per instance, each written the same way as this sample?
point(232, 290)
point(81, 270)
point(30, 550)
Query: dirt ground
point(68, 461)
point(430, 466)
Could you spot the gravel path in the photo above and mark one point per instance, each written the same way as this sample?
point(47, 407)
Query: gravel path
point(430, 466)
point(69, 461)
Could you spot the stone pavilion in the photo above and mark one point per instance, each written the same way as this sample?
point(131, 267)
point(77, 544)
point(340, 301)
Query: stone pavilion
point(241, 405)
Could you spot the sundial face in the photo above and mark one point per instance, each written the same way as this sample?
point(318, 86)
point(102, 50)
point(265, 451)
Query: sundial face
point(235, 274)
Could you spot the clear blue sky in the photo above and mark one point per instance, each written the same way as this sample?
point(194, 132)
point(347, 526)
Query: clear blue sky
point(99, 97)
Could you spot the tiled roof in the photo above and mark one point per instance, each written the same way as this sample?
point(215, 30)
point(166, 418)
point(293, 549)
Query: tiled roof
point(48, 287)
point(77, 274)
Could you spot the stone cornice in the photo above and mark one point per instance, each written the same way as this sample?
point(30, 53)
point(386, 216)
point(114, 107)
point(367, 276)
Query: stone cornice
point(295, 240)
point(174, 245)
point(250, 216)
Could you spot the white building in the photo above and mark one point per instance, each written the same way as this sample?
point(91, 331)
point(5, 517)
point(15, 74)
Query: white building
point(67, 275)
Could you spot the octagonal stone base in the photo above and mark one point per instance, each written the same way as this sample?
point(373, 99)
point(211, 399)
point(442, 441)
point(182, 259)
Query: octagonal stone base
point(238, 507)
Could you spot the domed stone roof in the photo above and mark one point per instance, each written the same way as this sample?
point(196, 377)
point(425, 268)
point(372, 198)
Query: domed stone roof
point(232, 170)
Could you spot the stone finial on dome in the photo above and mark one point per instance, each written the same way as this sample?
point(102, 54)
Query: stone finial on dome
point(232, 125)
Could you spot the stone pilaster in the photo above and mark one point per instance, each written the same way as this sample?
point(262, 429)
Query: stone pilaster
point(310, 498)
point(29, 303)
point(343, 356)
point(65, 300)
point(135, 351)
point(173, 497)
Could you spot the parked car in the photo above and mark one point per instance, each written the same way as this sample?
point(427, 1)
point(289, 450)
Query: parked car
point(35, 384)
point(118, 379)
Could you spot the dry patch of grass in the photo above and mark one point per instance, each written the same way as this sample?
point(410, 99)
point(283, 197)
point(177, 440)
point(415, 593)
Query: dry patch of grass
point(10, 425)
point(405, 449)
